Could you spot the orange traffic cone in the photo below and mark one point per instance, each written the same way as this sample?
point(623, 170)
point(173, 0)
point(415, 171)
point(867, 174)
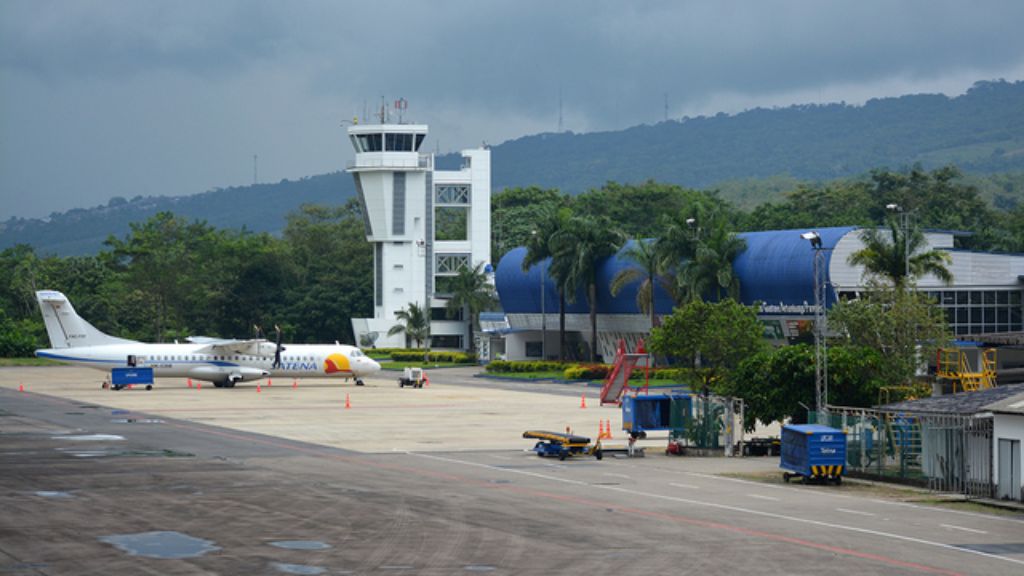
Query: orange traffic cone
point(426, 381)
point(199, 385)
point(600, 429)
point(21, 387)
point(608, 430)
point(257, 388)
point(347, 403)
point(189, 382)
point(295, 382)
point(583, 400)
point(270, 382)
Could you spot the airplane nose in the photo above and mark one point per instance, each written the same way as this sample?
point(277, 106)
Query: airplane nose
point(374, 365)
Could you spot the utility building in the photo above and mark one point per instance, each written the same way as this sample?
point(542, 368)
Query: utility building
point(424, 224)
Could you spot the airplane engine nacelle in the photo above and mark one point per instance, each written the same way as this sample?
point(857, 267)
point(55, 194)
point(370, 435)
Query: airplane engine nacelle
point(227, 373)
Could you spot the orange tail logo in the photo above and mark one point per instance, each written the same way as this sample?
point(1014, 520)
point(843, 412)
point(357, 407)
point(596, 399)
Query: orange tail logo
point(336, 363)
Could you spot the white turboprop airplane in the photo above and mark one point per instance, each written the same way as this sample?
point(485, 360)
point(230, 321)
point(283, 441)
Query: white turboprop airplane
point(223, 362)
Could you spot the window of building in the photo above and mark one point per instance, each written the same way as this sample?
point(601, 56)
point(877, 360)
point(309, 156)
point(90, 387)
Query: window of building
point(534, 349)
point(453, 341)
point(446, 268)
point(369, 142)
point(398, 142)
point(451, 223)
point(442, 314)
point(451, 194)
point(981, 311)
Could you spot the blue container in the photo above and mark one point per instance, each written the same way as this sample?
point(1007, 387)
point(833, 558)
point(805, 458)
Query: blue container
point(814, 452)
point(655, 412)
point(121, 377)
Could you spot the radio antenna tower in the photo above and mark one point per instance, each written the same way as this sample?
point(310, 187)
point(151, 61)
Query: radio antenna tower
point(255, 169)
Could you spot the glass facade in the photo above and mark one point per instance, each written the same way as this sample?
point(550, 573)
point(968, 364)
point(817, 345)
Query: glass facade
point(980, 311)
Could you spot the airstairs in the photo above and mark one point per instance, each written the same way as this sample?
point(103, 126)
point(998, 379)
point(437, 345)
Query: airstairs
point(622, 369)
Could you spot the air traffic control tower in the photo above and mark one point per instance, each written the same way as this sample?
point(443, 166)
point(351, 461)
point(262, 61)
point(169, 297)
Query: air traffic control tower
point(424, 224)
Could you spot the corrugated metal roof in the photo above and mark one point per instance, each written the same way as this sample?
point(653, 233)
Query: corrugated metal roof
point(959, 403)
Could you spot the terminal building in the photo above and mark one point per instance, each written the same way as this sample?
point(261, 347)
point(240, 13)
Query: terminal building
point(424, 224)
point(983, 305)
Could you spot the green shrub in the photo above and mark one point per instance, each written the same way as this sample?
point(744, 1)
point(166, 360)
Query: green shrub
point(520, 366)
point(404, 355)
point(587, 372)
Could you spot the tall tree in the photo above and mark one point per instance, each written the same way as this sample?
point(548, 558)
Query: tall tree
point(896, 255)
point(721, 333)
point(472, 293)
point(538, 249)
point(649, 268)
point(903, 326)
point(577, 251)
point(414, 323)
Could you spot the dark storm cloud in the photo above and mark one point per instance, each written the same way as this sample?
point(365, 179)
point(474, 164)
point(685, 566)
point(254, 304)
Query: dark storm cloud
point(176, 97)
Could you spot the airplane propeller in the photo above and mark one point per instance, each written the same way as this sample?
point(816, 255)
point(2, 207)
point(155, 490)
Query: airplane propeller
point(279, 348)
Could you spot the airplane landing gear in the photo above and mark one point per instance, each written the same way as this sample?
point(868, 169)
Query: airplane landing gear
point(359, 383)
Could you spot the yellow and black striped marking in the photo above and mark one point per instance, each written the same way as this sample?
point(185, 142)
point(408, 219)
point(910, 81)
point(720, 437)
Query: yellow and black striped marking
point(829, 471)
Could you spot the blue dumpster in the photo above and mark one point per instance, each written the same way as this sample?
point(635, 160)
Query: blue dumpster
point(813, 452)
point(121, 377)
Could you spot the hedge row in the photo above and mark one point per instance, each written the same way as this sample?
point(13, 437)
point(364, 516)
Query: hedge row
point(433, 356)
point(507, 366)
point(582, 371)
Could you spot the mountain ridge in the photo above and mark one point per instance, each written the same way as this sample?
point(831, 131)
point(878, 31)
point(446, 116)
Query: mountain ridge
point(981, 131)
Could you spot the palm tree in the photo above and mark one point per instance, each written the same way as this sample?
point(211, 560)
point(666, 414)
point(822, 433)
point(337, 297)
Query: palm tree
point(538, 250)
point(576, 252)
point(471, 292)
point(415, 323)
point(698, 249)
point(650, 267)
point(709, 273)
point(895, 255)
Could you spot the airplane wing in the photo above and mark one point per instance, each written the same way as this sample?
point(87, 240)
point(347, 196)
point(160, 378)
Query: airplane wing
point(220, 346)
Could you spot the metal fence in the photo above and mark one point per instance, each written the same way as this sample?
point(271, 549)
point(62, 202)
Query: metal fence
point(943, 452)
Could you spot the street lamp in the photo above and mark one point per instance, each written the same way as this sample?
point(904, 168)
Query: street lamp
point(905, 227)
point(820, 345)
point(543, 313)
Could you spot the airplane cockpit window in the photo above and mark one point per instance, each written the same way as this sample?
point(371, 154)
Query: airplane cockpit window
point(356, 353)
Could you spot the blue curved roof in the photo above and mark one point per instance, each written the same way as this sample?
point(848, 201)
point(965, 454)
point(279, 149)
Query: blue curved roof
point(776, 268)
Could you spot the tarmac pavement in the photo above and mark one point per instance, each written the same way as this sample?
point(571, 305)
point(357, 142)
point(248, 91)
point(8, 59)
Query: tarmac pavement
point(417, 481)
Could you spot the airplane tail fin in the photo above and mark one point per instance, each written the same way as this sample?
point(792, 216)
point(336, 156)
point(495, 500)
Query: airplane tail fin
point(65, 327)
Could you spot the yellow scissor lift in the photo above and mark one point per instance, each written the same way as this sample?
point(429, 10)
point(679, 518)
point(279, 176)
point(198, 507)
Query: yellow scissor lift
point(953, 366)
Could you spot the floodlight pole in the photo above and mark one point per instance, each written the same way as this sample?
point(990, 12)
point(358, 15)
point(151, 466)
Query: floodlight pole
point(820, 320)
point(820, 341)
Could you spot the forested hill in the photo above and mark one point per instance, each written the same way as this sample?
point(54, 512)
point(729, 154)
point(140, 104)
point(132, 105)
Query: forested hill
point(981, 132)
point(259, 208)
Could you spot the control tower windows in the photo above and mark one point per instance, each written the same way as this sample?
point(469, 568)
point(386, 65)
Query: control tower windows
point(398, 142)
point(368, 143)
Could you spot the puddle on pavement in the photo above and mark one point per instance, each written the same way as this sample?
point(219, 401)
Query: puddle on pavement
point(90, 438)
point(297, 568)
point(163, 544)
point(301, 544)
point(136, 421)
point(52, 494)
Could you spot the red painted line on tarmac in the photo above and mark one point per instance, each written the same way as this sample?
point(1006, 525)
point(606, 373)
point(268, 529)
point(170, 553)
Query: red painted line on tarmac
point(365, 461)
point(324, 406)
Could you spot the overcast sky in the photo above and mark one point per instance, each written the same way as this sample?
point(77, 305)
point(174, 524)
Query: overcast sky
point(124, 98)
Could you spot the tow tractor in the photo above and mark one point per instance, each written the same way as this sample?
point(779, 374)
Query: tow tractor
point(411, 377)
point(554, 444)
